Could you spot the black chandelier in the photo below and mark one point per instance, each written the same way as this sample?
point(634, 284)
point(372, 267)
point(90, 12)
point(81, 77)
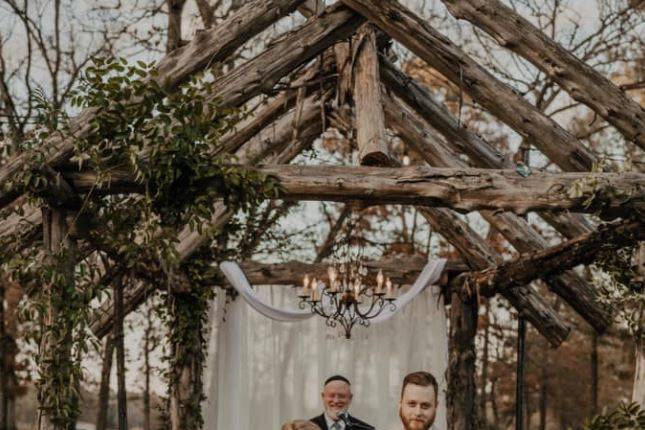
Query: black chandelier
point(346, 299)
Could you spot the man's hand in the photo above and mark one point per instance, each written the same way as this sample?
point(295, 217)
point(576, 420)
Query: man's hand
point(300, 425)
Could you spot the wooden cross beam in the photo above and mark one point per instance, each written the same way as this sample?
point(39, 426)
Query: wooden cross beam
point(465, 190)
point(545, 263)
point(480, 254)
point(402, 270)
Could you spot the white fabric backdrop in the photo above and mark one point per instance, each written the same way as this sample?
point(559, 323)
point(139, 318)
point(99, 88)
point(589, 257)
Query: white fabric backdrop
point(262, 372)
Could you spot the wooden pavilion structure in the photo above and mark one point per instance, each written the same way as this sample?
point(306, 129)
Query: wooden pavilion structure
point(464, 172)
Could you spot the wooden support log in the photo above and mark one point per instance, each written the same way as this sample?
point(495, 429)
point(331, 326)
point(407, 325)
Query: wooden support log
point(461, 397)
point(580, 80)
point(207, 48)
point(498, 98)
point(480, 254)
point(260, 74)
point(402, 270)
point(190, 240)
point(436, 151)
point(370, 121)
point(611, 194)
point(54, 358)
point(186, 387)
point(545, 263)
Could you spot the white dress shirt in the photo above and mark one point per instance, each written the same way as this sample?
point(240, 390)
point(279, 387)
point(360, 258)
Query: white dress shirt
point(331, 422)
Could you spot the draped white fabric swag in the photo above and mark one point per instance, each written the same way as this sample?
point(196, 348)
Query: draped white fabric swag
point(261, 372)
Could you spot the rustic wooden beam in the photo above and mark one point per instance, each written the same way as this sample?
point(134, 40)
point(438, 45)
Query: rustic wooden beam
point(55, 344)
point(402, 270)
point(465, 190)
point(260, 74)
point(438, 152)
point(478, 253)
point(580, 80)
point(545, 263)
point(498, 98)
point(370, 121)
point(207, 48)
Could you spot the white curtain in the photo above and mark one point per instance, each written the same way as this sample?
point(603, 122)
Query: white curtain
point(261, 372)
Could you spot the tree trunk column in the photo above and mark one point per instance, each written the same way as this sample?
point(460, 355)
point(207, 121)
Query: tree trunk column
point(370, 120)
point(638, 393)
point(187, 360)
point(55, 361)
point(462, 413)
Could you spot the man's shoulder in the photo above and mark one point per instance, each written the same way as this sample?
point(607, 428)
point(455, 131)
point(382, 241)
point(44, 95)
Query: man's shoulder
point(319, 420)
point(361, 423)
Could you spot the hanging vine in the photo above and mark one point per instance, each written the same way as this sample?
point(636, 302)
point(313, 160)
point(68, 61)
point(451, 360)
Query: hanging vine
point(170, 142)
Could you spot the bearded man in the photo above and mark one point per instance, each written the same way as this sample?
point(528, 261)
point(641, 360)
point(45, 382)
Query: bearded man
point(418, 404)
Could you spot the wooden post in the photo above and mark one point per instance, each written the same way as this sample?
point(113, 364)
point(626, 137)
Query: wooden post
point(187, 360)
point(55, 361)
point(120, 354)
point(638, 393)
point(104, 388)
point(4, 389)
point(462, 413)
point(370, 121)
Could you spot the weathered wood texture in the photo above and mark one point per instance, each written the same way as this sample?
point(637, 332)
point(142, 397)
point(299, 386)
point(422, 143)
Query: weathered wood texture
point(498, 98)
point(55, 349)
point(461, 393)
point(104, 386)
point(580, 80)
point(567, 255)
point(438, 152)
point(402, 270)
point(208, 47)
point(478, 253)
point(465, 190)
point(119, 343)
point(266, 146)
point(370, 122)
point(186, 388)
point(260, 74)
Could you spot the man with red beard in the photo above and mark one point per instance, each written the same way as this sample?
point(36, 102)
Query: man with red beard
point(418, 404)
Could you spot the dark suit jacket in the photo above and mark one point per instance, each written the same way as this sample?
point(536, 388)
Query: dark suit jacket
point(321, 422)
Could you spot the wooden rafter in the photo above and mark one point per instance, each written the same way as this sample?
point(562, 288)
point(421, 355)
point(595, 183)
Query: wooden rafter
point(580, 80)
